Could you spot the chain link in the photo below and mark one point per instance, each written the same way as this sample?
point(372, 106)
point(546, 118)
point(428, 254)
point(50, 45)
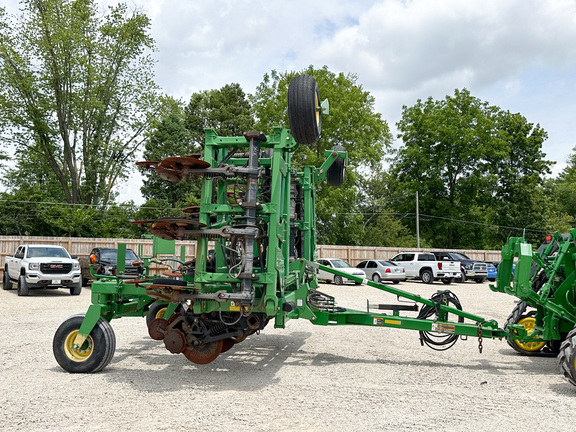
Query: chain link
point(480, 338)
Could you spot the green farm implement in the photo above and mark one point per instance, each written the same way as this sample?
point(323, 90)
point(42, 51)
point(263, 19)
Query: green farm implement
point(255, 233)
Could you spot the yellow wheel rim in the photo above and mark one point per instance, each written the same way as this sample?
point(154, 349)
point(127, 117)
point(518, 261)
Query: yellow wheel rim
point(529, 323)
point(318, 109)
point(160, 313)
point(81, 354)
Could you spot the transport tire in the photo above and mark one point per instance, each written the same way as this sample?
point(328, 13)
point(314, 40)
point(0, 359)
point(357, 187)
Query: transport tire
point(94, 354)
point(520, 316)
point(335, 174)
point(304, 109)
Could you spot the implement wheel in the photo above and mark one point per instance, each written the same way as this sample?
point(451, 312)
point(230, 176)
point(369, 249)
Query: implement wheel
point(519, 316)
point(205, 353)
point(304, 109)
point(567, 357)
point(335, 174)
point(94, 354)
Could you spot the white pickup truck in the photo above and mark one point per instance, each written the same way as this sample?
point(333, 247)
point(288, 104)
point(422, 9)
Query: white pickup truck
point(425, 266)
point(42, 266)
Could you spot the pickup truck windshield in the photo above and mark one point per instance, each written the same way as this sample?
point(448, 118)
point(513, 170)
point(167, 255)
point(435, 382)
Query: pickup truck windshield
point(112, 254)
point(45, 252)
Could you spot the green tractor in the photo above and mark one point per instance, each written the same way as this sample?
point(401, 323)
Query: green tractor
point(255, 234)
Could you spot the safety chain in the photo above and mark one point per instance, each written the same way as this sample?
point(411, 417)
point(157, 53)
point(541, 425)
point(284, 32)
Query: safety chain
point(480, 337)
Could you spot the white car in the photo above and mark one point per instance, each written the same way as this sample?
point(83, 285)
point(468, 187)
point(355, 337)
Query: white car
point(340, 265)
point(379, 270)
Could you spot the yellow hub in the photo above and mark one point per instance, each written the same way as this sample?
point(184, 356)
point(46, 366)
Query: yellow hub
point(160, 313)
point(529, 324)
point(75, 354)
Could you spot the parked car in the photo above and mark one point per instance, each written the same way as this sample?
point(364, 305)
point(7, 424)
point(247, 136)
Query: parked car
point(104, 262)
point(379, 270)
point(340, 265)
point(491, 272)
point(427, 267)
point(471, 269)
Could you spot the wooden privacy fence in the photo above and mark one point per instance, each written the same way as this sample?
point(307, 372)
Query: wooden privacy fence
point(82, 246)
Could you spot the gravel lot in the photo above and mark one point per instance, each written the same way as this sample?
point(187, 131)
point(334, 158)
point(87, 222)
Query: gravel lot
point(303, 377)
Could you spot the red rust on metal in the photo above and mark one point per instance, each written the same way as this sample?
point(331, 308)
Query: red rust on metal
point(192, 210)
point(157, 328)
point(147, 164)
point(178, 163)
point(168, 174)
point(205, 353)
point(175, 341)
point(142, 222)
point(227, 344)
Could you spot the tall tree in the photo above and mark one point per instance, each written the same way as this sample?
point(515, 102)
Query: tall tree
point(469, 161)
point(76, 88)
point(353, 123)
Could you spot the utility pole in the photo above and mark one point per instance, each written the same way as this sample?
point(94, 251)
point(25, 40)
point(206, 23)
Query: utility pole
point(417, 222)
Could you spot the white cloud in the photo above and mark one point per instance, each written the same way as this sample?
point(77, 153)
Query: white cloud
point(517, 54)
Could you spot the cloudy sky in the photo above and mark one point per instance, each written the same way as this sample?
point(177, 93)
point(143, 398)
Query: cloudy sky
point(517, 54)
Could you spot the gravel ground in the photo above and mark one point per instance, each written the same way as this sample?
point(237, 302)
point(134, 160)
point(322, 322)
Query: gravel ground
point(303, 377)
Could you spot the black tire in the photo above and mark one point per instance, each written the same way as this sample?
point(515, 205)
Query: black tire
point(6, 282)
point(335, 174)
point(304, 109)
point(23, 289)
point(518, 314)
point(446, 281)
point(480, 280)
point(376, 278)
point(427, 276)
point(338, 280)
point(157, 310)
point(165, 281)
point(94, 355)
point(567, 357)
point(85, 281)
point(462, 277)
point(76, 289)
point(396, 282)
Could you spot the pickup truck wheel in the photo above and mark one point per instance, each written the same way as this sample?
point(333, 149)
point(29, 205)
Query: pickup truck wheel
point(462, 277)
point(84, 281)
point(6, 282)
point(427, 276)
point(479, 280)
point(446, 281)
point(23, 289)
point(76, 289)
point(94, 354)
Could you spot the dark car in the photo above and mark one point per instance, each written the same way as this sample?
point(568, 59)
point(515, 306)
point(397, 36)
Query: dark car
point(471, 269)
point(104, 262)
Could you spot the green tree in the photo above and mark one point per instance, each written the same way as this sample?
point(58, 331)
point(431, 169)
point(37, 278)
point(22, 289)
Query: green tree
point(352, 123)
point(469, 162)
point(76, 89)
point(226, 110)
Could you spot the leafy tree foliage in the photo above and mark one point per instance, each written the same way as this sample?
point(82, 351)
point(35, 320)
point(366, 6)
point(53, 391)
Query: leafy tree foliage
point(352, 123)
point(472, 162)
point(76, 90)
